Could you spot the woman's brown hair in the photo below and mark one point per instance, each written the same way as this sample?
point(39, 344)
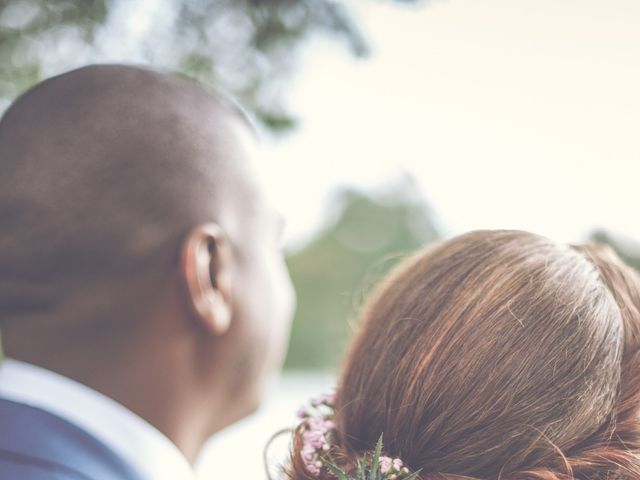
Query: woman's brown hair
point(497, 355)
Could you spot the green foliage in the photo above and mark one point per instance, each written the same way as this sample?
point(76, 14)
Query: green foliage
point(375, 460)
point(29, 29)
point(245, 47)
point(628, 249)
point(336, 270)
point(369, 468)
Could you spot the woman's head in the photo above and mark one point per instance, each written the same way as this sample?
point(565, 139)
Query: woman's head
point(499, 354)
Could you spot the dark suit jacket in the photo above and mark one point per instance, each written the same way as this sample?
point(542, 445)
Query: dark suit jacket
point(36, 445)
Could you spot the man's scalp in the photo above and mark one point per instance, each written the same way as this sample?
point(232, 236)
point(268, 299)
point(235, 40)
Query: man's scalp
point(103, 169)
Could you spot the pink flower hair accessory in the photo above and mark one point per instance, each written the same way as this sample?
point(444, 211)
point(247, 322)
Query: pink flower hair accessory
point(318, 435)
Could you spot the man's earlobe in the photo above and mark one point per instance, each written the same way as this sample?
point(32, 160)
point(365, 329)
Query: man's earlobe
point(206, 272)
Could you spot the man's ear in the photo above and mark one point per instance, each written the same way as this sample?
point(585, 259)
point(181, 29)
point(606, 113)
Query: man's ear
point(206, 272)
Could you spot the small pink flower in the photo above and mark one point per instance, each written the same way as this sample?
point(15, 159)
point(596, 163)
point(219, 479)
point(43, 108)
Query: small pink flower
point(385, 464)
point(313, 469)
point(329, 398)
point(324, 399)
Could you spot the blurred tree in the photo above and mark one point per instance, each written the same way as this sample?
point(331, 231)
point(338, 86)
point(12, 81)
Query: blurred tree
point(28, 27)
point(627, 248)
point(338, 268)
point(246, 47)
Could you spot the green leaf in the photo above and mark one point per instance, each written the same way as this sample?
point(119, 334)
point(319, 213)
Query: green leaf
point(360, 473)
point(414, 475)
point(364, 471)
point(337, 471)
point(375, 461)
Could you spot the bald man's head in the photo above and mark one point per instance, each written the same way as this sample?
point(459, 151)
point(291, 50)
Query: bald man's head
point(137, 252)
point(103, 170)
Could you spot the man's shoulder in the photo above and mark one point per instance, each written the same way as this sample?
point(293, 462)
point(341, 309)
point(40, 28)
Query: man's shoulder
point(36, 444)
point(26, 468)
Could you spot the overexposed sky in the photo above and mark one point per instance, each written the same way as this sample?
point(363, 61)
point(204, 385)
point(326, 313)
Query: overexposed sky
point(510, 114)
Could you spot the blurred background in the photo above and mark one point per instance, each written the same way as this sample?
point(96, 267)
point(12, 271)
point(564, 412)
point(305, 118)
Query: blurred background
point(386, 125)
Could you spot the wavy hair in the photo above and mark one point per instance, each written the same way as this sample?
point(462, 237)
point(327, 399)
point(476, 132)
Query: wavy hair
point(497, 355)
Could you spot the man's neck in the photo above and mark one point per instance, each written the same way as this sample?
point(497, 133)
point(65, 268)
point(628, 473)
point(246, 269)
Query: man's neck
point(161, 395)
point(115, 427)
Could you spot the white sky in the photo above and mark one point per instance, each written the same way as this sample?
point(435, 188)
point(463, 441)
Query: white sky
point(509, 114)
